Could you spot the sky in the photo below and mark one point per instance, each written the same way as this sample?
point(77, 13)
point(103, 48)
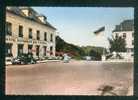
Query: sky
point(76, 25)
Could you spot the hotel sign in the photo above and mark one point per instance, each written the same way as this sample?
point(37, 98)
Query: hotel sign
point(22, 40)
point(40, 42)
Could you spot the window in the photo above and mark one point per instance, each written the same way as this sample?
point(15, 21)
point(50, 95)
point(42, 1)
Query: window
point(8, 50)
point(132, 42)
point(8, 28)
point(124, 35)
point(116, 35)
point(30, 48)
point(51, 37)
point(51, 50)
point(38, 35)
point(45, 50)
point(132, 49)
point(128, 49)
point(45, 36)
point(20, 49)
point(133, 34)
point(30, 33)
point(20, 31)
point(37, 50)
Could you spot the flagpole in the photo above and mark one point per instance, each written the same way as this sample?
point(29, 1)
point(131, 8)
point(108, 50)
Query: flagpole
point(97, 32)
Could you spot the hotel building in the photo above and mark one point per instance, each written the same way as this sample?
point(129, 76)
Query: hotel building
point(28, 31)
point(126, 30)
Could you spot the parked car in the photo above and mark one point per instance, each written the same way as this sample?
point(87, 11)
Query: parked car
point(88, 58)
point(17, 61)
point(8, 61)
point(24, 59)
point(93, 58)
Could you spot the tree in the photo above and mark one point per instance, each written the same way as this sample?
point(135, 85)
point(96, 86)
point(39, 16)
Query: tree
point(74, 50)
point(117, 44)
point(97, 52)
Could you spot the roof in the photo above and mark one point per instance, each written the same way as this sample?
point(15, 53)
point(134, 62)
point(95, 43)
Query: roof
point(34, 17)
point(126, 25)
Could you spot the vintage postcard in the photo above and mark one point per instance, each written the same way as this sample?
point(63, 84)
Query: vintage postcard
point(69, 51)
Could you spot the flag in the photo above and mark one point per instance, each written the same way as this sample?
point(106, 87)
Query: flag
point(99, 30)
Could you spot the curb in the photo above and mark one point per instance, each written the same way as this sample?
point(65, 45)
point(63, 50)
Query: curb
point(44, 61)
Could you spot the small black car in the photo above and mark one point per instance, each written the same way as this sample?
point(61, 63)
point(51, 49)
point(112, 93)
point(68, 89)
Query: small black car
point(24, 59)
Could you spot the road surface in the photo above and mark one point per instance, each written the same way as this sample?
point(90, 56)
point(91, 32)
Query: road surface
point(73, 78)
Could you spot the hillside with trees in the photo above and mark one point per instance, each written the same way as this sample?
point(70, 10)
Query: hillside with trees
point(72, 50)
point(78, 52)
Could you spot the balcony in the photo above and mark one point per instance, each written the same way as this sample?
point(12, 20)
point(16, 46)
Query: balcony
point(21, 35)
point(8, 33)
point(20, 40)
point(30, 41)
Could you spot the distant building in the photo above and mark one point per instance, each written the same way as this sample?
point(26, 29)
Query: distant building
point(28, 31)
point(126, 30)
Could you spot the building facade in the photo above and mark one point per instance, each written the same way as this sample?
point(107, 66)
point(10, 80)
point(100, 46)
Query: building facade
point(126, 31)
point(28, 31)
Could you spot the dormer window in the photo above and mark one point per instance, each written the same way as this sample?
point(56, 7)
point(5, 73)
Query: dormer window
point(27, 11)
point(42, 18)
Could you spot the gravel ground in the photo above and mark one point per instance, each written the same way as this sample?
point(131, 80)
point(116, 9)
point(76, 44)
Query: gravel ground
point(73, 78)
